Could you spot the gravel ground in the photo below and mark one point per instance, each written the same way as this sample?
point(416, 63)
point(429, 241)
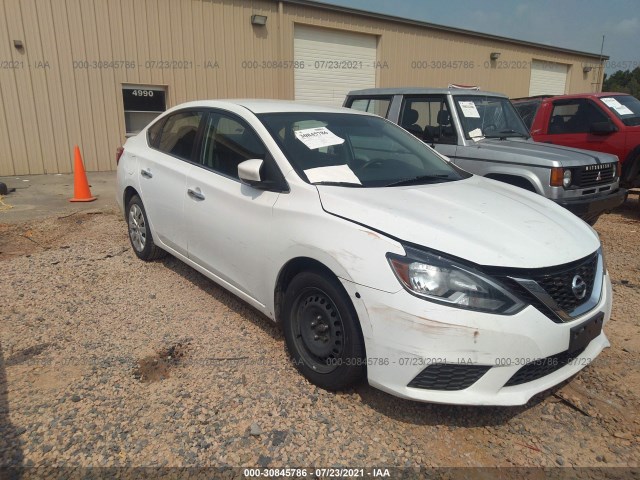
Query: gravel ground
point(109, 361)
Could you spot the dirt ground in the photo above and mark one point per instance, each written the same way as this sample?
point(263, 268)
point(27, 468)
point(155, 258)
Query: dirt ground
point(109, 361)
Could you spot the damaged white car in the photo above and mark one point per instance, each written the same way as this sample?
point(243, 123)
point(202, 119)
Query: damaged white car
point(379, 258)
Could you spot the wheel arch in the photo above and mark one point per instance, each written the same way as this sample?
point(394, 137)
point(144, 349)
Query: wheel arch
point(631, 168)
point(127, 195)
point(515, 180)
point(287, 273)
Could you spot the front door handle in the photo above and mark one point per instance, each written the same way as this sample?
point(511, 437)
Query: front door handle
point(146, 173)
point(197, 194)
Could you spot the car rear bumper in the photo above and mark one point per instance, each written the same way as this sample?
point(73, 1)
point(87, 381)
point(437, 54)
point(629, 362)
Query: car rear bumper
point(405, 336)
point(591, 208)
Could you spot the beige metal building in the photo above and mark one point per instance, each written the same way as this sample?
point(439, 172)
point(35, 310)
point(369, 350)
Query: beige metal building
point(89, 72)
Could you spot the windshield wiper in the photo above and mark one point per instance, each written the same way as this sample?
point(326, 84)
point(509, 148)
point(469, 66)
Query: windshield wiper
point(339, 184)
point(508, 133)
point(420, 179)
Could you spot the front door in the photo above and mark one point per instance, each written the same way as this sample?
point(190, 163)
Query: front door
point(229, 223)
point(429, 119)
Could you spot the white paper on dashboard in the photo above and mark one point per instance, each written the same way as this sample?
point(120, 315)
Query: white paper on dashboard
point(624, 110)
point(476, 135)
point(617, 106)
point(334, 173)
point(318, 137)
point(469, 109)
point(611, 102)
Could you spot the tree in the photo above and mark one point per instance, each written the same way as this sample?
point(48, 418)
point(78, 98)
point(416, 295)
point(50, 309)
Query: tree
point(627, 81)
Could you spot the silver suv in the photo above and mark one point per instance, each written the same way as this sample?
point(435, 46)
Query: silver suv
point(482, 133)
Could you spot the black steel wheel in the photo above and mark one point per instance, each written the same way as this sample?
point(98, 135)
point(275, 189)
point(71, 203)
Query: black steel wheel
point(322, 331)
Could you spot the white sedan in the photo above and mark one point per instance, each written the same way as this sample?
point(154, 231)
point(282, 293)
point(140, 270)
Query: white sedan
point(380, 258)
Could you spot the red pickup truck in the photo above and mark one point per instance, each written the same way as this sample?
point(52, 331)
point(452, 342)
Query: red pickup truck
point(604, 122)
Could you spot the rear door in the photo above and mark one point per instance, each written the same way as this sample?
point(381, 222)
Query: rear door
point(163, 170)
point(229, 223)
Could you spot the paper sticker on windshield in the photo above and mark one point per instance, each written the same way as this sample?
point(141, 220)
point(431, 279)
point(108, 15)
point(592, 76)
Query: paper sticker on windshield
point(334, 173)
point(616, 105)
point(318, 137)
point(469, 109)
point(624, 110)
point(611, 102)
point(476, 134)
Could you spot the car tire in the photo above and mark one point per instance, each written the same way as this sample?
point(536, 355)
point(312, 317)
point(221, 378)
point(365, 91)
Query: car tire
point(322, 331)
point(140, 233)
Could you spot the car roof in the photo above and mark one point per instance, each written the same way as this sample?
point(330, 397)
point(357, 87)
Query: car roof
point(267, 105)
point(423, 91)
point(569, 96)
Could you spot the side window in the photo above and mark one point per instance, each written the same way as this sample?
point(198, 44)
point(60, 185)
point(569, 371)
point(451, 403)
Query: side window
point(178, 134)
point(228, 142)
point(377, 106)
point(153, 134)
point(574, 116)
point(429, 119)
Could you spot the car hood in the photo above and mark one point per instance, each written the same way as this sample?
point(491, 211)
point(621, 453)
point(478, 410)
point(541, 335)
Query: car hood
point(533, 153)
point(483, 221)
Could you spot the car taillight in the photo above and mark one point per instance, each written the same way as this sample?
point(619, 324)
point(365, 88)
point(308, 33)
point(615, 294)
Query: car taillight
point(119, 152)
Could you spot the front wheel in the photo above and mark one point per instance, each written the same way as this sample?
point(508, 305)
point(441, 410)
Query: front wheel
point(140, 233)
point(322, 332)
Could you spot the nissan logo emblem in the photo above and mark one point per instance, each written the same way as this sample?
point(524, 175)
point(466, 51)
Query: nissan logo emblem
point(579, 287)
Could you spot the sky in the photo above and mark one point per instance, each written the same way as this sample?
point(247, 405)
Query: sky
point(574, 24)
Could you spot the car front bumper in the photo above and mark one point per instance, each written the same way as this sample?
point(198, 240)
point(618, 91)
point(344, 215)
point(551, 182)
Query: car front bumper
point(405, 334)
point(591, 208)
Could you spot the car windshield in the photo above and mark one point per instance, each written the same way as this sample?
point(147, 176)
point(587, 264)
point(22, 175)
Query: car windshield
point(625, 107)
point(356, 150)
point(489, 117)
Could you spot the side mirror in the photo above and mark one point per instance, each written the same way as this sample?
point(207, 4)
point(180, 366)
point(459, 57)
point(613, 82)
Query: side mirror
point(249, 171)
point(603, 128)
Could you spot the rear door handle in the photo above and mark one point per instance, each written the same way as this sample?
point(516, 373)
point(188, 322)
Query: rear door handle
point(197, 194)
point(146, 173)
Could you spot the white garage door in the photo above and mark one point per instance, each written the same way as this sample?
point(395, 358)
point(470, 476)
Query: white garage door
point(548, 78)
point(335, 62)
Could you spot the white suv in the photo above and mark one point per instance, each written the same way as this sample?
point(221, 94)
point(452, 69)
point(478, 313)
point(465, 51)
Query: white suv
point(377, 256)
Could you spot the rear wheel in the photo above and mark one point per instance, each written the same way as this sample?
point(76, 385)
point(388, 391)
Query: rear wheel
point(322, 331)
point(140, 233)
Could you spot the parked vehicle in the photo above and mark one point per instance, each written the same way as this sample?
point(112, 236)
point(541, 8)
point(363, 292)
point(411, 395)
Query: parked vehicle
point(604, 122)
point(482, 133)
point(378, 257)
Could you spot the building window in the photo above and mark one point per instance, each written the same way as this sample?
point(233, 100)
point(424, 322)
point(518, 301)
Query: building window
point(142, 104)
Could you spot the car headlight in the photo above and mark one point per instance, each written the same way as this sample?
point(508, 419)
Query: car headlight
point(448, 282)
point(560, 177)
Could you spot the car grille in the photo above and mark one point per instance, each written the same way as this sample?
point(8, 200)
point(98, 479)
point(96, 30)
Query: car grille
point(558, 285)
point(594, 175)
point(556, 282)
point(542, 367)
point(448, 376)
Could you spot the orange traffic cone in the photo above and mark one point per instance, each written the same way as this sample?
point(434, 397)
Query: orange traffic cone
point(81, 191)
